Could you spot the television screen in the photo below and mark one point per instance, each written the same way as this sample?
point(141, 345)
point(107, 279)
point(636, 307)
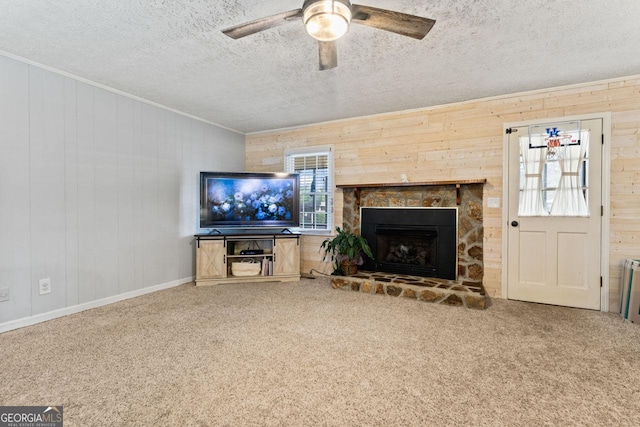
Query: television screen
point(245, 199)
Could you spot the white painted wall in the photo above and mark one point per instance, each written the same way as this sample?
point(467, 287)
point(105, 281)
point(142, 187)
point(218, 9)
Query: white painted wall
point(98, 191)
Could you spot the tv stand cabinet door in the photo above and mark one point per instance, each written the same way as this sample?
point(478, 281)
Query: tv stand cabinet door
point(286, 254)
point(211, 260)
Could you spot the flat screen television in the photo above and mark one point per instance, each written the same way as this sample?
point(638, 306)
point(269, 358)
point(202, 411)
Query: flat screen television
point(246, 199)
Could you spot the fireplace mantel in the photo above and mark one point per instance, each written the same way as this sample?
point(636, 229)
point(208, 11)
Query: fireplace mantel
point(456, 182)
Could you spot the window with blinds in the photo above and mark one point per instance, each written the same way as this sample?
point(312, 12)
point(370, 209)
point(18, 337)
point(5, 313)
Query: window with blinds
point(316, 184)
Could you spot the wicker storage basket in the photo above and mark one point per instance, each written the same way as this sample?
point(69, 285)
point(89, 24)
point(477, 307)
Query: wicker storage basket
point(247, 267)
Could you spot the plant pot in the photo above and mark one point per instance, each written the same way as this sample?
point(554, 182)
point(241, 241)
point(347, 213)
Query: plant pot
point(348, 268)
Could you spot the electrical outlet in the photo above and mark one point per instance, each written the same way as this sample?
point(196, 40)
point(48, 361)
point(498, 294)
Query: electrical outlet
point(45, 286)
point(4, 294)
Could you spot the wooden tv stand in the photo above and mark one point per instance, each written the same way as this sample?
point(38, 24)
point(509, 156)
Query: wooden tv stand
point(277, 253)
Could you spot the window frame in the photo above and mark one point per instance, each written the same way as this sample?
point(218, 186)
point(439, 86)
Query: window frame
point(314, 151)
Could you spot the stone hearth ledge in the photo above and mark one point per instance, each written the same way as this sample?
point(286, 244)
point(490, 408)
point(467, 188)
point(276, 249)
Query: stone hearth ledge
point(439, 291)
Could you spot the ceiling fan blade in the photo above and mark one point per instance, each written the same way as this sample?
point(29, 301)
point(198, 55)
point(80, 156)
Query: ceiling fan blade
point(262, 24)
point(388, 20)
point(328, 52)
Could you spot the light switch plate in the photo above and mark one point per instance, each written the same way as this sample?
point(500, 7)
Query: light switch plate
point(493, 202)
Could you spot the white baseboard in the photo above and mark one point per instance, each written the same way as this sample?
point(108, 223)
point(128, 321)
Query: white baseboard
point(50, 315)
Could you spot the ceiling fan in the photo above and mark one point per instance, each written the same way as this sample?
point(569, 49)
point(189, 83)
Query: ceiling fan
point(328, 20)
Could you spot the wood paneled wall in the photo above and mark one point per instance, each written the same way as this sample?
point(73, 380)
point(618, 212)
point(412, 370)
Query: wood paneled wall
point(465, 141)
point(98, 191)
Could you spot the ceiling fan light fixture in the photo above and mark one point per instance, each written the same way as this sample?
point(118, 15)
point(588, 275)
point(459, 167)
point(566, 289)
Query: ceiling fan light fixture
point(327, 20)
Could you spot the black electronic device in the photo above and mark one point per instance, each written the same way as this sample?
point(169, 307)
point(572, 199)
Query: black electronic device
point(252, 252)
point(247, 199)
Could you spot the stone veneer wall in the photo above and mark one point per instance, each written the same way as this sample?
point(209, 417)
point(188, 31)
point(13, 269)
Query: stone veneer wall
point(470, 230)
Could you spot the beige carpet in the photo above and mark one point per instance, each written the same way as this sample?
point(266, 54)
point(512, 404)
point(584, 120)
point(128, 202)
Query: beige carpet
point(303, 354)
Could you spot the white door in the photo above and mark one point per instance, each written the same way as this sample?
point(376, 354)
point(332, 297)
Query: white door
point(555, 213)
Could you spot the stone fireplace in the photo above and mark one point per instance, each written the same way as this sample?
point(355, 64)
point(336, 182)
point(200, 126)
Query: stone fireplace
point(466, 196)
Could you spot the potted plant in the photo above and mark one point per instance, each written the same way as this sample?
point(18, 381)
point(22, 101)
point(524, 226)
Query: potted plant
point(346, 250)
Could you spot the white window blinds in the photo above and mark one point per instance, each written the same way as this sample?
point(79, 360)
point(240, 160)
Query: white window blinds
point(315, 167)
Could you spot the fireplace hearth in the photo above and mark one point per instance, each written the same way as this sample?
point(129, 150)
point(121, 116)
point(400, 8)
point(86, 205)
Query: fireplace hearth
point(413, 241)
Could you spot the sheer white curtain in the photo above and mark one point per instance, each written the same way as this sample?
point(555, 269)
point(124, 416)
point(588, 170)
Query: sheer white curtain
point(531, 202)
point(569, 199)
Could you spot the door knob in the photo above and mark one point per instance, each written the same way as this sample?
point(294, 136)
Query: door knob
point(514, 223)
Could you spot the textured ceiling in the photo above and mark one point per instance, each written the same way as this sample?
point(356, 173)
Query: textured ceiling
point(173, 53)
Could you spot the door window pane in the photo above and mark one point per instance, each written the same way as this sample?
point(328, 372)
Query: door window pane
point(553, 171)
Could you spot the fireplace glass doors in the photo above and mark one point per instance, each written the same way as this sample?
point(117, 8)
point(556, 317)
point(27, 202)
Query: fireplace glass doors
point(414, 241)
point(407, 249)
